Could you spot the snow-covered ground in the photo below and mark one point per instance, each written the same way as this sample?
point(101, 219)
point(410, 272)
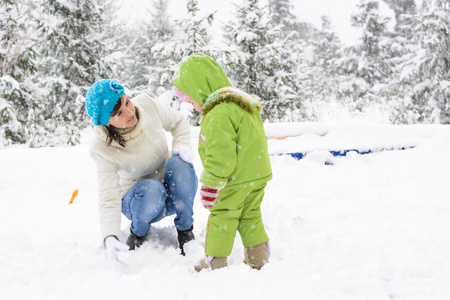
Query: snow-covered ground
point(373, 226)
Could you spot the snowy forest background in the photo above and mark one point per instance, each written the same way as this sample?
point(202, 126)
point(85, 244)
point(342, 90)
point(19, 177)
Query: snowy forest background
point(52, 51)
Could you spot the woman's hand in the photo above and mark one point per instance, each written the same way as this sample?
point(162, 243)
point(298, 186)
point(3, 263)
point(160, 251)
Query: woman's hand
point(185, 153)
point(113, 247)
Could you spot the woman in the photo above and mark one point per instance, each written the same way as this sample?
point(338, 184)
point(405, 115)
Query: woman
point(135, 175)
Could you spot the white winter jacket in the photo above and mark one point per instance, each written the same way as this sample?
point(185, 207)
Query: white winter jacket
point(145, 156)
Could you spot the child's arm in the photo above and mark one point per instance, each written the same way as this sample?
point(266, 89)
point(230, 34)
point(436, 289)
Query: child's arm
point(219, 148)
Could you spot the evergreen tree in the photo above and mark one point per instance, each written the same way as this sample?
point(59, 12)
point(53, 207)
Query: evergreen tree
point(281, 15)
point(425, 77)
point(195, 29)
point(256, 59)
point(400, 49)
point(371, 65)
point(400, 45)
point(17, 65)
point(114, 36)
point(401, 9)
point(191, 37)
point(73, 54)
point(365, 66)
point(327, 49)
point(286, 48)
point(280, 12)
point(249, 35)
point(144, 67)
point(321, 79)
point(194, 38)
point(162, 31)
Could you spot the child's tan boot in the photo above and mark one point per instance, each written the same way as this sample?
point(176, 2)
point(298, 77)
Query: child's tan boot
point(257, 256)
point(211, 262)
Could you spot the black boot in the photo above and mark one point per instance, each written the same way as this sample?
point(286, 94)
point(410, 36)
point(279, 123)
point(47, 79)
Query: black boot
point(134, 241)
point(185, 236)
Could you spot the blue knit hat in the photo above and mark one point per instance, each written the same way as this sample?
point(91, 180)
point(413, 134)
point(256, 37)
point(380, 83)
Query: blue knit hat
point(101, 99)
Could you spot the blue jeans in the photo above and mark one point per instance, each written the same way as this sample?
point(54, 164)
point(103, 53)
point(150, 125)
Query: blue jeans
point(149, 200)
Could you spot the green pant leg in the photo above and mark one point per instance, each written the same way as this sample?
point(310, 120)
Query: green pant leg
point(251, 227)
point(224, 221)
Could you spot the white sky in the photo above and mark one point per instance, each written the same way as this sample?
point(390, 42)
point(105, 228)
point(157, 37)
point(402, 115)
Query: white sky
point(307, 10)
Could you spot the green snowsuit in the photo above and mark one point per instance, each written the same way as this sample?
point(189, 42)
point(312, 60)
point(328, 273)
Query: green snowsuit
point(233, 151)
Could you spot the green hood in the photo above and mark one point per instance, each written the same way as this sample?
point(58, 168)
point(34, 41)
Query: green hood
point(199, 76)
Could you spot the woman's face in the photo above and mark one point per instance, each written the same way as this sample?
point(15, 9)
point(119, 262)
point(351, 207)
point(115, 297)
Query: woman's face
point(126, 115)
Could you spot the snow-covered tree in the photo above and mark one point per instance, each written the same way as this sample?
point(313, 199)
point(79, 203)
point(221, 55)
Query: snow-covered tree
point(162, 32)
point(17, 65)
point(400, 45)
point(73, 53)
point(256, 59)
point(288, 42)
point(280, 12)
point(195, 29)
point(425, 78)
point(401, 9)
point(366, 64)
point(191, 35)
point(144, 68)
point(327, 49)
point(371, 64)
point(114, 35)
point(400, 49)
point(16, 52)
point(319, 76)
point(248, 36)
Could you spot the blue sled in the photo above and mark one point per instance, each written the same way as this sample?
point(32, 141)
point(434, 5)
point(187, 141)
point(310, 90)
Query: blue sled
point(299, 155)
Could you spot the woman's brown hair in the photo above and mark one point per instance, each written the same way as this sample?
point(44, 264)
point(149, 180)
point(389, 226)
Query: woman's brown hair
point(111, 131)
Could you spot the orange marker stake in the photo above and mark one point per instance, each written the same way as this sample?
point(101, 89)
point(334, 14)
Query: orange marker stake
point(280, 137)
point(75, 193)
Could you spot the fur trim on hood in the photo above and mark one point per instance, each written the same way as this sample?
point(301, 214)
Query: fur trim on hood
point(229, 94)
